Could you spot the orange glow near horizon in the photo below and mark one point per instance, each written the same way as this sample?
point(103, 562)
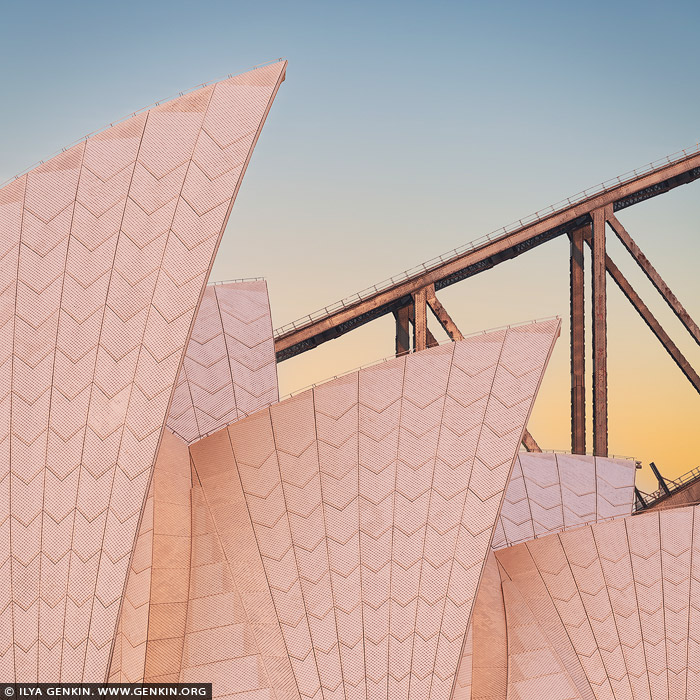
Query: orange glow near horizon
point(653, 414)
point(653, 410)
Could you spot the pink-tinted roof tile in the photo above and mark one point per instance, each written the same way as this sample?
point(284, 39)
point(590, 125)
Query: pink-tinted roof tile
point(229, 589)
point(620, 594)
point(105, 251)
point(372, 515)
point(230, 368)
point(548, 493)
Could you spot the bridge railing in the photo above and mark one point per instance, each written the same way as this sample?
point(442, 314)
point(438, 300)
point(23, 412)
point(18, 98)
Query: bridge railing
point(673, 486)
point(487, 238)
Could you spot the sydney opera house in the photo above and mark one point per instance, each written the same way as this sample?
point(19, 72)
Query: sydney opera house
point(165, 517)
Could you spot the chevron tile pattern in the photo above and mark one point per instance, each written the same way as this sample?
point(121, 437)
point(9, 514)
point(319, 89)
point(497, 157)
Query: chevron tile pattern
point(610, 610)
point(552, 492)
point(230, 367)
point(150, 633)
point(547, 493)
point(129, 654)
point(105, 251)
point(232, 329)
point(183, 618)
point(371, 502)
point(233, 634)
point(463, 681)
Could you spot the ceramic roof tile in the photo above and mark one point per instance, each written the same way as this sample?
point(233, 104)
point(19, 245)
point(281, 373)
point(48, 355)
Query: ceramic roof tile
point(106, 249)
point(230, 369)
point(372, 514)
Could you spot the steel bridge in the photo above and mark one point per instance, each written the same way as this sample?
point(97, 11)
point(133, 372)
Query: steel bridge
point(584, 219)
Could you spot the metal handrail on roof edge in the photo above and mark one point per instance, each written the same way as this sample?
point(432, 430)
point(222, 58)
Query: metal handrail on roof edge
point(388, 358)
point(235, 281)
point(557, 451)
point(488, 238)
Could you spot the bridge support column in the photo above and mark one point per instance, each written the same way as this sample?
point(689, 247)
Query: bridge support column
point(403, 338)
point(420, 320)
point(442, 316)
point(578, 344)
point(600, 339)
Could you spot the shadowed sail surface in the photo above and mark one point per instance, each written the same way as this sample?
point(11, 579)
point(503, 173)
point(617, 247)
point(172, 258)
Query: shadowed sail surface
point(547, 493)
point(610, 610)
point(340, 534)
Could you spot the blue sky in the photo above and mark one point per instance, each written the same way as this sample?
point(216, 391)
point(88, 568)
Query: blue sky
point(404, 130)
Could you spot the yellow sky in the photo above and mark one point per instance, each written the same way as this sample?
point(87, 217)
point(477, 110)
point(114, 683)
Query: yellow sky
point(654, 412)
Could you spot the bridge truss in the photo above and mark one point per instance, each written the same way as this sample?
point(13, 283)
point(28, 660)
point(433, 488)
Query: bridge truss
point(584, 219)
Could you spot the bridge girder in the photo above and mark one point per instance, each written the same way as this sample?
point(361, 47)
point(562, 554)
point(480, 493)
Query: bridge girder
point(586, 220)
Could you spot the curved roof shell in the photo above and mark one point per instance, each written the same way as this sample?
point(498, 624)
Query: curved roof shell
point(230, 368)
point(105, 250)
point(602, 612)
point(547, 493)
point(339, 536)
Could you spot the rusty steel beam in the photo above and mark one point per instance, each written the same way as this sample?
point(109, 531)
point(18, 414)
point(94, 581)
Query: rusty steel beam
point(600, 335)
point(420, 320)
point(649, 318)
point(660, 479)
point(578, 343)
point(654, 277)
point(431, 341)
point(403, 338)
point(654, 325)
point(338, 321)
point(529, 442)
point(442, 316)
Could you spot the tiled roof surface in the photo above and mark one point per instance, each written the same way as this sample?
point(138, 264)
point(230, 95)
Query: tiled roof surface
point(552, 492)
point(230, 368)
point(104, 253)
point(371, 502)
point(602, 612)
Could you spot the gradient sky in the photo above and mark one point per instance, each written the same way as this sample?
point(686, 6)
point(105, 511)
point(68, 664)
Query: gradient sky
point(403, 130)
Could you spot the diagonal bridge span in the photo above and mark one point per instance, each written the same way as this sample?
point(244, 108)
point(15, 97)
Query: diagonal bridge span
point(584, 218)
